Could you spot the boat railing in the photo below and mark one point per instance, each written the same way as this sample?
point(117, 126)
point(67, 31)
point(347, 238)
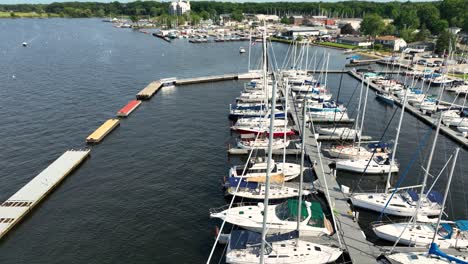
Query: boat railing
point(225, 207)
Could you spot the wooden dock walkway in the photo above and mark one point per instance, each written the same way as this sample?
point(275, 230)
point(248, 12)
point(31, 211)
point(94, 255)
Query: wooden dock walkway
point(431, 121)
point(23, 201)
point(215, 78)
point(149, 90)
point(360, 250)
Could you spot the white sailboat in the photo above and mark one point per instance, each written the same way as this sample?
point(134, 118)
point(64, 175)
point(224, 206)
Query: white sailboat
point(256, 170)
point(446, 235)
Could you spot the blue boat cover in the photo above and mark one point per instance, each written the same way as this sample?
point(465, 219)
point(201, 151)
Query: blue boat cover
point(435, 197)
point(413, 195)
point(448, 228)
point(378, 145)
point(239, 239)
point(434, 250)
point(234, 181)
point(462, 225)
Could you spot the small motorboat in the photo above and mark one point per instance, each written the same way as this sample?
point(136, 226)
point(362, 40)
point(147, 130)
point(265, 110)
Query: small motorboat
point(241, 50)
point(25, 44)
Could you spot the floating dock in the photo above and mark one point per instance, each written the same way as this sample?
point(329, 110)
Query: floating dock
point(149, 90)
point(129, 108)
point(454, 135)
point(340, 138)
point(216, 78)
point(239, 151)
point(99, 134)
point(24, 200)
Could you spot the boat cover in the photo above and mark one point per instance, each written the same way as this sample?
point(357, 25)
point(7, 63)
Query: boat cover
point(462, 225)
point(434, 250)
point(239, 239)
point(435, 197)
point(378, 145)
point(234, 181)
point(448, 228)
point(413, 195)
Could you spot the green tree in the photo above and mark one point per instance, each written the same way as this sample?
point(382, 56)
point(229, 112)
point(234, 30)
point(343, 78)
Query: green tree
point(407, 34)
point(237, 15)
point(439, 26)
point(427, 15)
point(408, 18)
point(423, 34)
point(100, 13)
point(348, 30)
point(389, 29)
point(285, 20)
point(134, 18)
point(445, 42)
point(12, 14)
point(194, 19)
point(204, 15)
point(372, 24)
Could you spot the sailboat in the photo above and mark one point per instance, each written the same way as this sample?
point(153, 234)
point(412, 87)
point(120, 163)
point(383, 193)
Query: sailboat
point(256, 170)
point(414, 233)
point(401, 203)
point(433, 256)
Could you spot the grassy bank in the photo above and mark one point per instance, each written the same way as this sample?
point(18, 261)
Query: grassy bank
point(26, 15)
point(456, 75)
point(336, 45)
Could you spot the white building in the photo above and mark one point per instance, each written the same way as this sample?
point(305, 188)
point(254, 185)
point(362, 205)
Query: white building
point(391, 42)
point(179, 7)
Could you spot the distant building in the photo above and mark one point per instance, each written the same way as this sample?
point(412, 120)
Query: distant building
point(179, 7)
point(268, 18)
point(454, 30)
point(391, 42)
point(294, 32)
point(420, 46)
point(296, 20)
point(355, 41)
point(355, 22)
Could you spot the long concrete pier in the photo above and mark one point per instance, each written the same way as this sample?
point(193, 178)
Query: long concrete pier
point(23, 201)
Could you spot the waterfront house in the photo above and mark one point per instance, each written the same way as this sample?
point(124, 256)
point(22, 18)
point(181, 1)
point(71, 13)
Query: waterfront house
point(391, 42)
point(179, 7)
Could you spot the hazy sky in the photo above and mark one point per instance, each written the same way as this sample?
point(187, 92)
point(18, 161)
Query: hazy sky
point(123, 1)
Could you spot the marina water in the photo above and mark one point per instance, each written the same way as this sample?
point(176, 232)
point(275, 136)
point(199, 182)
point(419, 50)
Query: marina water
point(144, 195)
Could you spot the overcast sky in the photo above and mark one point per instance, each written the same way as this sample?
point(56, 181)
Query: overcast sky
point(124, 1)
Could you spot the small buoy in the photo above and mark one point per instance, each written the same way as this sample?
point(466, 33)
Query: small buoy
point(25, 44)
point(13, 76)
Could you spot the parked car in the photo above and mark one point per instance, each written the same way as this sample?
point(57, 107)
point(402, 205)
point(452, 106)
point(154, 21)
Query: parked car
point(422, 62)
point(427, 56)
point(438, 62)
point(430, 64)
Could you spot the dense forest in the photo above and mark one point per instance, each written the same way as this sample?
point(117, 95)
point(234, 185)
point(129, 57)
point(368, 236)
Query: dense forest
point(432, 16)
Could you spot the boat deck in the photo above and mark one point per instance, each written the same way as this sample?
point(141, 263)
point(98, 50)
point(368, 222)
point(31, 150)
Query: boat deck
point(23, 201)
point(129, 108)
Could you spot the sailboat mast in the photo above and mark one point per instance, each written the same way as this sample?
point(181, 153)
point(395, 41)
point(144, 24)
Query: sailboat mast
point(267, 180)
point(429, 162)
point(446, 192)
point(250, 47)
point(359, 107)
point(286, 88)
point(392, 161)
point(299, 207)
point(363, 115)
point(326, 71)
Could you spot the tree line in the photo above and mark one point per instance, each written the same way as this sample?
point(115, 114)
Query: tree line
point(431, 17)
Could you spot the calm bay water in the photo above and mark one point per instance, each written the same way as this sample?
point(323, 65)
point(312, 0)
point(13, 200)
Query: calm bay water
point(144, 195)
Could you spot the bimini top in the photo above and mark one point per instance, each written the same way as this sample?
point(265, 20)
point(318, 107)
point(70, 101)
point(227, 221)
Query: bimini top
point(239, 239)
point(462, 225)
